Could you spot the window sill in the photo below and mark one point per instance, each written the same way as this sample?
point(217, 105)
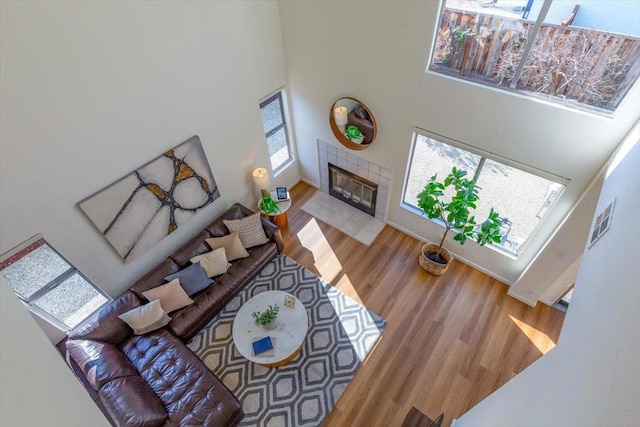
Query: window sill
point(493, 247)
point(596, 113)
point(283, 166)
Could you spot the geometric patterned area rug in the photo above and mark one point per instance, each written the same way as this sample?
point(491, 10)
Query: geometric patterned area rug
point(302, 393)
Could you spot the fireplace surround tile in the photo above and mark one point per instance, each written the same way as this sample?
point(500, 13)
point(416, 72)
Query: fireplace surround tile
point(355, 164)
point(373, 176)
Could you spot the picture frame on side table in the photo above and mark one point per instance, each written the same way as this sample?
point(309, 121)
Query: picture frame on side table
point(281, 193)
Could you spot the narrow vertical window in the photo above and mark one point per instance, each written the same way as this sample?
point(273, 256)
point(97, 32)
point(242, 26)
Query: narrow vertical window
point(275, 131)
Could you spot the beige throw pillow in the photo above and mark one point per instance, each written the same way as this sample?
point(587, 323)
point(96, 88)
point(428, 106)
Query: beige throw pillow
point(171, 296)
point(146, 318)
point(232, 246)
point(249, 230)
point(214, 263)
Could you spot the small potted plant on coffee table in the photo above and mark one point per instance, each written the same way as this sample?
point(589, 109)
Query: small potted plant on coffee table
point(267, 318)
point(455, 214)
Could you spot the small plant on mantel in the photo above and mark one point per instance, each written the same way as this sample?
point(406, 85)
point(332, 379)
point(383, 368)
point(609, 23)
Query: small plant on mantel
point(455, 214)
point(354, 134)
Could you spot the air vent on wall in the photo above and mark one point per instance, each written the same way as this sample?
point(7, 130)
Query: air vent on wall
point(603, 223)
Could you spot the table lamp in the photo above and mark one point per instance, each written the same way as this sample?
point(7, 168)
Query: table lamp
point(261, 178)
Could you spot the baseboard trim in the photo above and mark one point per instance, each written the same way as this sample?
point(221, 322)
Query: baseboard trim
point(292, 184)
point(313, 184)
point(546, 301)
point(522, 299)
point(466, 261)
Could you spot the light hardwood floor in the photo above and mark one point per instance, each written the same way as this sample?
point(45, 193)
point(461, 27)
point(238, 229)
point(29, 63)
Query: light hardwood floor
point(449, 342)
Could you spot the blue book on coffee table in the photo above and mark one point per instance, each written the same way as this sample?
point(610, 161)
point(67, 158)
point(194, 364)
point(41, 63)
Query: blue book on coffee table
point(262, 345)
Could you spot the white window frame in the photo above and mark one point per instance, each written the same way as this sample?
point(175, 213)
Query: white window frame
point(484, 155)
point(284, 109)
point(512, 88)
point(54, 283)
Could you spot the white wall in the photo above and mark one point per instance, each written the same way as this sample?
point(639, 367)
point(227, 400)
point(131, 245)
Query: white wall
point(32, 375)
point(559, 255)
point(92, 90)
point(592, 377)
point(378, 53)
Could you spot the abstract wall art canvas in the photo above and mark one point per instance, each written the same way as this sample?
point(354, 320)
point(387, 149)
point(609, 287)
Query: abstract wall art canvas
point(140, 209)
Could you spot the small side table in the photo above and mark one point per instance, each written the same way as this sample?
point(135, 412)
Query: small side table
point(280, 219)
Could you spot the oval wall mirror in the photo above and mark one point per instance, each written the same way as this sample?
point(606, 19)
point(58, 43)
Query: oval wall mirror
point(352, 123)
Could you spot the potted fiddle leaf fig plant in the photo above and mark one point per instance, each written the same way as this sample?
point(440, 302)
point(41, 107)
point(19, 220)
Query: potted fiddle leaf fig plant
point(455, 215)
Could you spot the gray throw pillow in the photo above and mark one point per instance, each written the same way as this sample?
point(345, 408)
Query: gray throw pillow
point(193, 279)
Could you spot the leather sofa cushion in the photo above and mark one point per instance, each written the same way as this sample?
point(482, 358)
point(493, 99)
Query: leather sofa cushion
point(193, 247)
point(217, 227)
point(188, 321)
point(191, 394)
point(106, 325)
point(155, 277)
point(130, 402)
point(100, 362)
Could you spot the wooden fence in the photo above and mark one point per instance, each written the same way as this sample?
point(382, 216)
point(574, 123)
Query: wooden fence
point(589, 66)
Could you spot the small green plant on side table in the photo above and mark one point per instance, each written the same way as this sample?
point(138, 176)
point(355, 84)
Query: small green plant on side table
point(266, 317)
point(268, 206)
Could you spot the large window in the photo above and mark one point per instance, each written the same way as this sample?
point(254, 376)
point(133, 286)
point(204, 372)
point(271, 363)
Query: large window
point(275, 131)
point(585, 56)
point(521, 198)
point(49, 284)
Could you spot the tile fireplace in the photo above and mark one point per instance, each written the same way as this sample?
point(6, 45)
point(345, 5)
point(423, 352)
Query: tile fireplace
point(355, 190)
point(371, 176)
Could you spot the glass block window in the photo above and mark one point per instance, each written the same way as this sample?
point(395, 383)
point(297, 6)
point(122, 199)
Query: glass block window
point(275, 131)
point(49, 284)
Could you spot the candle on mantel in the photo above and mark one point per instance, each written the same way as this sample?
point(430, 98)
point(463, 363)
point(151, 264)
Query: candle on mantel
point(340, 117)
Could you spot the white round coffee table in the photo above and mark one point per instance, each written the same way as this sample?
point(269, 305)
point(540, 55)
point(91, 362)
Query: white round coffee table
point(288, 335)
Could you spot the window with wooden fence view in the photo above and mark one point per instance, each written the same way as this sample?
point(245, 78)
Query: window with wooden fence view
point(586, 56)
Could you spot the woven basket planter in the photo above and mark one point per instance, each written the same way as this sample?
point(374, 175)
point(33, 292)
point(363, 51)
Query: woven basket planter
point(432, 267)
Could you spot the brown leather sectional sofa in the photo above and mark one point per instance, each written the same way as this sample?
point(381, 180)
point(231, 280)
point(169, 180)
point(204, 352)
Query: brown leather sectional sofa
point(154, 379)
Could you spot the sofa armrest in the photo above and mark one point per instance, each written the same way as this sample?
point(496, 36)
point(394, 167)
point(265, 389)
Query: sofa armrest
point(130, 402)
point(273, 233)
point(100, 362)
